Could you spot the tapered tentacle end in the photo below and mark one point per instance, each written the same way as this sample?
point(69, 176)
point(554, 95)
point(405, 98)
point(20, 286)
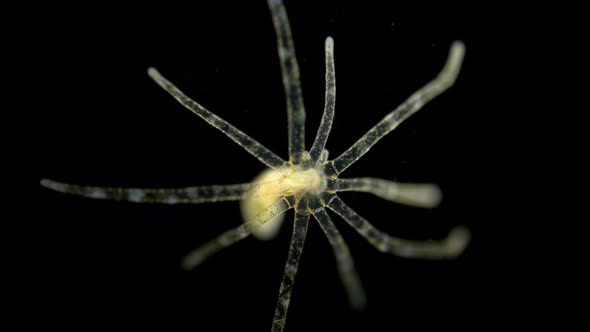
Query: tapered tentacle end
point(457, 240)
point(329, 44)
point(53, 185)
point(425, 195)
point(226, 239)
point(192, 260)
point(201, 254)
point(457, 50)
point(155, 75)
point(153, 72)
point(454, 62)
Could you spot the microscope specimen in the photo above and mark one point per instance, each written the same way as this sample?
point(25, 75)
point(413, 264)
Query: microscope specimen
point(308, 182)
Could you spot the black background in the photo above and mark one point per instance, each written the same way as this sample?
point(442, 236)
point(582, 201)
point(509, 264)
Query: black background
point(506, 144)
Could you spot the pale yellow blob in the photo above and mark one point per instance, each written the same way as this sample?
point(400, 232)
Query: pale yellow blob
point(273, 185)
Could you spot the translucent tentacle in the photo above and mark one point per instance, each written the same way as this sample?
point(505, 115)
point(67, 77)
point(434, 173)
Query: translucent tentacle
point(346, 269)
point(443, 81)
point(201, 194)
point(427, 195)
point(291, 82)
point(226, 239)
point(450, 247)
point(330, 101)
point(295, 250)
point(256, 149)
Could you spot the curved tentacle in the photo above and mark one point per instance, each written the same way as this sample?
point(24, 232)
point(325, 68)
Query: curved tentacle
point(450, 247)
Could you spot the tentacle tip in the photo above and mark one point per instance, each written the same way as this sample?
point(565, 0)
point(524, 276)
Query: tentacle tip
point(428, 195)
point(359, 303)
point(457, 240)
point(153, 72)
point(193, 259)
point(457, 50)
point(329, 42)
point(458, 44)
point(432, 196)
point(53, 185)
point(188, 265)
